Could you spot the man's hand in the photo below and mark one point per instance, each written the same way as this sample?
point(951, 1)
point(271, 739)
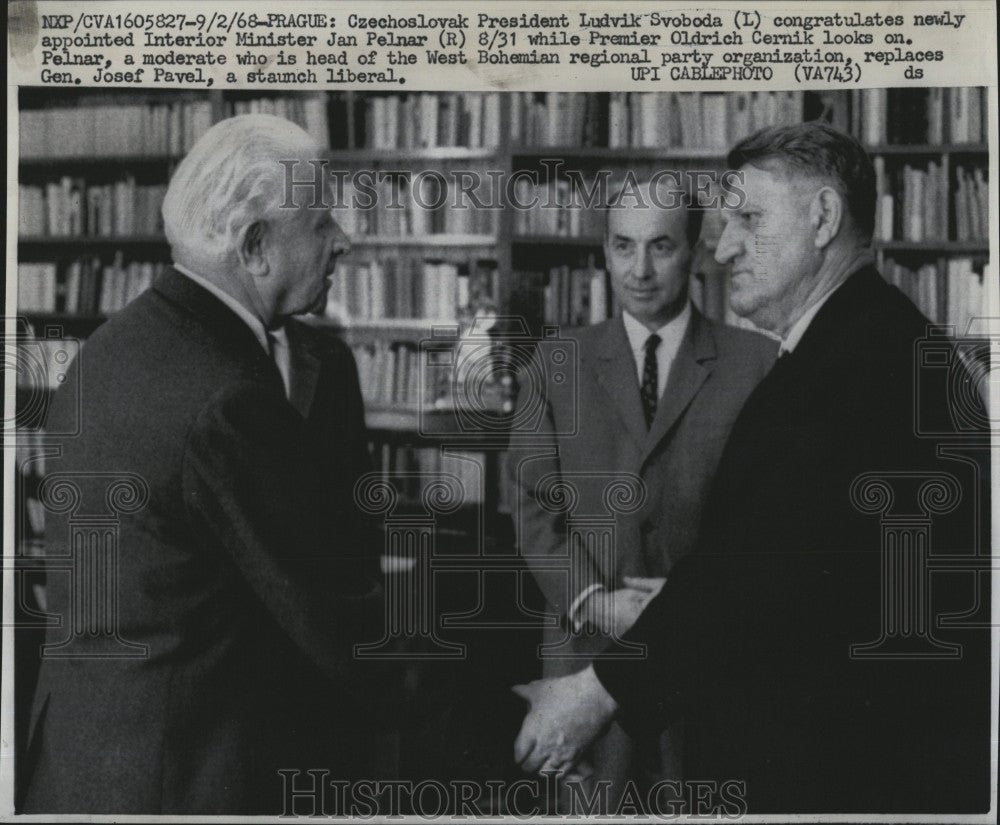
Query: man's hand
point(614, 612)
point(567, 714)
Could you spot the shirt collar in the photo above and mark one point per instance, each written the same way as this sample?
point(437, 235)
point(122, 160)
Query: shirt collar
point(671, 334)
point(245, 315)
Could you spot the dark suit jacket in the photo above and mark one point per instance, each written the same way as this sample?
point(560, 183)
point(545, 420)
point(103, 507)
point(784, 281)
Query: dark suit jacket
point(749, 639)
point(714, 371)
point(245, 574)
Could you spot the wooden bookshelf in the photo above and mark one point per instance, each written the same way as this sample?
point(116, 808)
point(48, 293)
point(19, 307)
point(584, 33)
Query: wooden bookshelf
point(944, 247)
point(443, 240)
point(633, 154)
point(530, 128)
point(928, 149)
point(410, 156)
point(589, 241)
point(90, 162)
point(85, 242)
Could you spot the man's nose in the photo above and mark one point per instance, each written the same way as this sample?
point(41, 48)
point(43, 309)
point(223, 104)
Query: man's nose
point(643, 265)
point(341, 241)
point(728, 246)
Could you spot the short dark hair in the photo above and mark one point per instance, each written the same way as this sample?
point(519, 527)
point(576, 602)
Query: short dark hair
point(818, 150)
point(695, 213)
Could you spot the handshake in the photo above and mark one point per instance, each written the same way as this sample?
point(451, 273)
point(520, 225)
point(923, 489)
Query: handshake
point(568, 713)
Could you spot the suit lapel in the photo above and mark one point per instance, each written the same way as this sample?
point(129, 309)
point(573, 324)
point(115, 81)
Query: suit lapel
point(616, 374)
point(692, 365)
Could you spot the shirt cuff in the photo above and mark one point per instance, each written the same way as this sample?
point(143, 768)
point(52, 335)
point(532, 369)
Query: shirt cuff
point(578, 603)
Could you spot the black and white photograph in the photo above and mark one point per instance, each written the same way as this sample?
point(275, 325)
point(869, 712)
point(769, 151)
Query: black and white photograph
point(404, 453)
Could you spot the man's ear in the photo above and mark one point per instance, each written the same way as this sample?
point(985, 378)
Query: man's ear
point(251, 248)
point(826, 213)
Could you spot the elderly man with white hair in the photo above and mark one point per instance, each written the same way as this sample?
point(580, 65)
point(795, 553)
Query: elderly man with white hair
point(241, 582)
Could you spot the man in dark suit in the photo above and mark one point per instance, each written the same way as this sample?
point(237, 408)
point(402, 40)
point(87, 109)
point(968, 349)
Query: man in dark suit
point(757, 640)
point(657, 389)
point(242, 577)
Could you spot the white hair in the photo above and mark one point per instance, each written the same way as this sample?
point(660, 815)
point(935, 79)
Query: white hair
point(229, 179)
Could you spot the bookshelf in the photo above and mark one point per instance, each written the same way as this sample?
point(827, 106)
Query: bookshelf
point(93, 169)
point(388, 295)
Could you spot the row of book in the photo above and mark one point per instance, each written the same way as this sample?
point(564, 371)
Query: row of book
point(73, 208)
point(912, 203)
point(971, 196)
point(102, 127)
point(308, 111)
point(575, 296)
point(965, 298)
point(411, 287)
point(682, 120)
point(389, 373)
point(113, 129)
point(949, 293)
point(403, 375)
point(427, 120)
point(918, 116)
point(557, 208)
point(414, 206)
point(85, 286)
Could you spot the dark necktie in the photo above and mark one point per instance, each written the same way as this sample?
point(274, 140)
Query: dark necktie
point(650, 379)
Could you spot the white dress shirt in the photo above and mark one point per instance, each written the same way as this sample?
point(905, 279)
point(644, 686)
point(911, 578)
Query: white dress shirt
point(671, 334)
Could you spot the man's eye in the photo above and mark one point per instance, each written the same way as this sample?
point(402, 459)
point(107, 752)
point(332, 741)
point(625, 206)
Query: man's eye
point(622, 246)
point(663, 248)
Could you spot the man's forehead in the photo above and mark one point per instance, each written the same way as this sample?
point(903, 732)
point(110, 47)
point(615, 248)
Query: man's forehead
point(647, 219)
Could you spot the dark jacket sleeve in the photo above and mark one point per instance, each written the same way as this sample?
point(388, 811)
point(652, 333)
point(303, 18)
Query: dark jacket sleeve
point(534, 476)
point(251, 481)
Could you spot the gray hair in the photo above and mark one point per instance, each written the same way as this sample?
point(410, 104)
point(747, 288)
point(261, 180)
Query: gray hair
point(231, 178)
point(818, 150)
